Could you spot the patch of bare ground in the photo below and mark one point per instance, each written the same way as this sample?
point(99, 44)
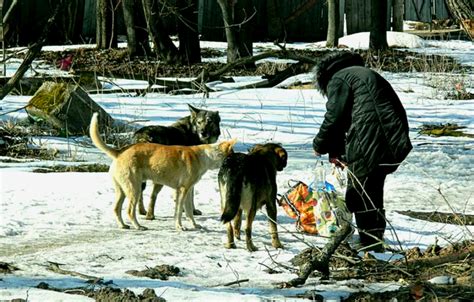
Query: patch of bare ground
point(161, 272)
point(437, 274)
point(116, 62)
point(452, 264)
point(107, 293)
point(74, 168)
point(451, 218)
point(16, 142)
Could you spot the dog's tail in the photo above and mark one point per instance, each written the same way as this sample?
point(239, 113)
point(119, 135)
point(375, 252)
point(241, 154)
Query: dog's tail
point(97, 140)
point(230, 183)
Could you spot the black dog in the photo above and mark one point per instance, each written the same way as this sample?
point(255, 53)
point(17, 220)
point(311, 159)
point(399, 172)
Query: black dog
point(200, 127)
point(246, 183)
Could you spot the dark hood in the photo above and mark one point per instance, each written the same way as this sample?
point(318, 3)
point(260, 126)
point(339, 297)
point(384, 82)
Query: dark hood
point(332, 63)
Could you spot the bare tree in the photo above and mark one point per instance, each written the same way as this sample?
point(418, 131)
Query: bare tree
point(378, 31)
point(238, 18)
point(398, 11)
point(162, 44)
point(137, 34)
point(189, 48)
point(332, 39)
point(106, 33)
point(275, 24)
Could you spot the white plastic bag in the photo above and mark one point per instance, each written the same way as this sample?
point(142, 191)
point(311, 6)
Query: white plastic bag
point(331, 208)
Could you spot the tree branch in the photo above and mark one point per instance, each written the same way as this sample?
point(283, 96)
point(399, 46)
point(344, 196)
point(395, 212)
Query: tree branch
point(33, 52)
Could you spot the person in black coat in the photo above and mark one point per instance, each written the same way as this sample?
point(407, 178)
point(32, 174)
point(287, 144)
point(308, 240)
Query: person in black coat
point(366, 129)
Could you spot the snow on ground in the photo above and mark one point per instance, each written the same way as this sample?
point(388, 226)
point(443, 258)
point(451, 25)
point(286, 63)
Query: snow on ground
point(67, 217)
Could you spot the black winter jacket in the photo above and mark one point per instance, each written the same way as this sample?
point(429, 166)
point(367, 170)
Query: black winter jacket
point(365, 120)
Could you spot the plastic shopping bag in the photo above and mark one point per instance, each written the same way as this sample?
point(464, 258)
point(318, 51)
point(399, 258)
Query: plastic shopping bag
point(330, 207)
point(319, 207)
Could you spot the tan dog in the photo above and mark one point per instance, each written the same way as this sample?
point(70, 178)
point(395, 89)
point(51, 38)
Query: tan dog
point(246, 183)
point(178, 167)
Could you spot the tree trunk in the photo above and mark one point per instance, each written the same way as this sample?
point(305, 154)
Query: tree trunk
point(332, 39)
point(227, 13)
point(69, 24)
point(378, 31)
point(163, 46)
point(398, 11)
point(237, 22)
point(462, 10)
point(189, 48)
point(32, 53)
point(106, 33)
point(137, 35)
point(275, 28)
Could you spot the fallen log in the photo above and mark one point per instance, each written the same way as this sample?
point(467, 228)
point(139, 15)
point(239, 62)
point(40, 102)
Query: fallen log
point(320, 260)
point(207, 76)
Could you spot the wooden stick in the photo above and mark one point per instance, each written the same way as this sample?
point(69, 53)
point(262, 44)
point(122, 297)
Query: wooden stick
point(234, 282)
point(54, 267)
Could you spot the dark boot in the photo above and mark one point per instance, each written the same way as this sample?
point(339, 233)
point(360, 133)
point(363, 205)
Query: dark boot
point(371, 225)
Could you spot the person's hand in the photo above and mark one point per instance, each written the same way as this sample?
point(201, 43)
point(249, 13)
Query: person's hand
point(337, 162)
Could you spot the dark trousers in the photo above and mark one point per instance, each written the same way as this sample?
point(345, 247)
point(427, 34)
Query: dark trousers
point(364, 198)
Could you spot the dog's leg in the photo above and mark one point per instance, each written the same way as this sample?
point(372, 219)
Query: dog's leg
point(133, 192)
point(119, 198)
point(195, 211)
point(150, 214)
point(272, 216)
point(234, 230)
point(248, 229)
point(188, 207)
point(141, 207)
point(230, 237)
point(180, 196)
point(237, 224)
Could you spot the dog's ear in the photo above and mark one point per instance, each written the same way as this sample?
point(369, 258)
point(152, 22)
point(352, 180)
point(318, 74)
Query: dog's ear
point(282, 156)
point(194, 112)
point(227, 146)
point(255, 148)
point(215, 115)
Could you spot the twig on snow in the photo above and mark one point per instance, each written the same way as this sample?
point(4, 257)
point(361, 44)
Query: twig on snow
point(54, 267)
point(234, 282)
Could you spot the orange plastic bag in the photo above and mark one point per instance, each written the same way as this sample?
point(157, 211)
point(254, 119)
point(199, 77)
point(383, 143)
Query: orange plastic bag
point(298, 203)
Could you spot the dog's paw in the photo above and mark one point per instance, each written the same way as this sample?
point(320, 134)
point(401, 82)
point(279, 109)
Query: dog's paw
point(197, 226)
point(179, 227)
point(278, 245)
point(197, 212)
point(142, 228)
point(230, 245)
point(150, 217)
point(251, 247)
point(125, 227)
